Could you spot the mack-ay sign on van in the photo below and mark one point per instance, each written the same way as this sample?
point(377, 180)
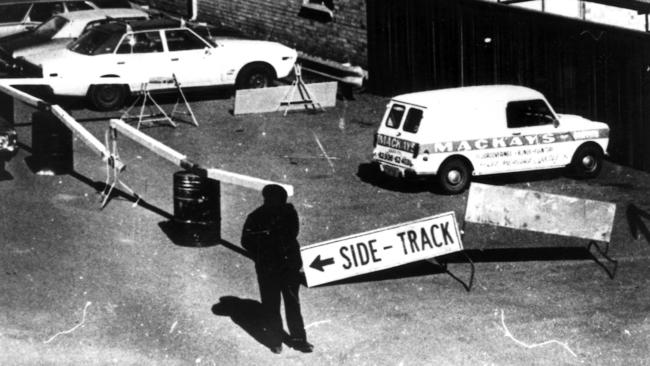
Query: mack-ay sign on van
point(455, 133)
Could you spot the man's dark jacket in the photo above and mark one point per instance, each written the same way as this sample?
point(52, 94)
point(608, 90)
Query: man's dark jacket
point(270, 235)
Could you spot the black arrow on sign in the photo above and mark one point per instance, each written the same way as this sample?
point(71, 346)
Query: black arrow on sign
point(319, 264)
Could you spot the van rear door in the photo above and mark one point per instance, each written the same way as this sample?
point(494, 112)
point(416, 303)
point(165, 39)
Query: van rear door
point(395, 146)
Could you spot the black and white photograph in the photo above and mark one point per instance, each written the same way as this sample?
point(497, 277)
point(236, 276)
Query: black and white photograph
point(324, 182)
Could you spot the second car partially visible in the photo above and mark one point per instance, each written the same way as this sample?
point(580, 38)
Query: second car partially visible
point(59, 30)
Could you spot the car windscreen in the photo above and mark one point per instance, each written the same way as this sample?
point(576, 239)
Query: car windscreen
point(95, 42)
point(13, 12)
point(51, 27)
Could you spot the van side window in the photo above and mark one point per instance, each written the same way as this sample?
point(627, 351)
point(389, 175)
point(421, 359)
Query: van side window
point(395, 116)
point(528, 113)
point(412, 122)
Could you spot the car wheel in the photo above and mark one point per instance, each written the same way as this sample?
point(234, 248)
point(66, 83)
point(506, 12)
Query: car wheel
point(107, 97)
point(587, 162)
point(454, 176)
point(255, 76)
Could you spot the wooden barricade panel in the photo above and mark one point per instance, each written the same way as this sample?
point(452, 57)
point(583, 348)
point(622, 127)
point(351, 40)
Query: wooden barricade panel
point(540, 212)
point(268, 99)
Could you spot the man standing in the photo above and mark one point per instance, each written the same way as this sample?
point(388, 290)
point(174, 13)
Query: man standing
point(270, 235)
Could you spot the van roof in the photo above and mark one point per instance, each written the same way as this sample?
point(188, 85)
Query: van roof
point(477, 94)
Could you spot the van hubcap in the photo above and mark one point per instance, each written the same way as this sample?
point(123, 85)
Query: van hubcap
point(454, 177)
point(589, 162)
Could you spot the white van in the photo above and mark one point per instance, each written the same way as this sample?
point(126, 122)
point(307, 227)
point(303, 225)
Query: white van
point(480, 130)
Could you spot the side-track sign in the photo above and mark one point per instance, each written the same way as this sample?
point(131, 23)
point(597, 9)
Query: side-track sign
point(381, 249)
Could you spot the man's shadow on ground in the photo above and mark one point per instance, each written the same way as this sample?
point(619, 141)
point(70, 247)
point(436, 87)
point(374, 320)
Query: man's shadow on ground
point(250, 316)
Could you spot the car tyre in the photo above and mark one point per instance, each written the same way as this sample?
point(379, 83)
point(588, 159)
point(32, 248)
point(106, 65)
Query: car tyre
point(454, 176)
point(587, 162)
point(107, 97)
point(255, 76)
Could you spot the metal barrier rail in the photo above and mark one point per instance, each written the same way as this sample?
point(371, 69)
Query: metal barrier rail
point(6, 86)
point(182, 161)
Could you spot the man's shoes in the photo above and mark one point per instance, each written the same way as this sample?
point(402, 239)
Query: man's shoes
point(276, 349)
point(302, 345)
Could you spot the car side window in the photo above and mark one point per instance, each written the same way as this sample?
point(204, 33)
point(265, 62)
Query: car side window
point(183, 40)
point(412, 121)
point(528, 113)
point(13, 12)
point(395, 116)
point(43, 11)
point(141, 42)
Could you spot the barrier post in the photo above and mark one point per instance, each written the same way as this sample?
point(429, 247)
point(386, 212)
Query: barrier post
point(52, 146)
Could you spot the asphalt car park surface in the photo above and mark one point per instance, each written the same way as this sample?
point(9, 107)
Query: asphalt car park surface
point(88, 286)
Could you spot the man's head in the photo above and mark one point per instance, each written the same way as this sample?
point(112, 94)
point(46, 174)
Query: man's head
point(274, 195)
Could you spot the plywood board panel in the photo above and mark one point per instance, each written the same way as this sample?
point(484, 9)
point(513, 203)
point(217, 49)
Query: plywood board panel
point(268, 99)
point(541, 212)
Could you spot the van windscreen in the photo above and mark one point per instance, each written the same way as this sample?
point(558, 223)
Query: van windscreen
point(395, 116)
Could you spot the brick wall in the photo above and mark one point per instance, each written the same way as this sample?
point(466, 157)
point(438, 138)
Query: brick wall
point(343, 38)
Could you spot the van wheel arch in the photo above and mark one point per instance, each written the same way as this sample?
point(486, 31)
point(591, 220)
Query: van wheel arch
point(587, 160)
point(454, 174)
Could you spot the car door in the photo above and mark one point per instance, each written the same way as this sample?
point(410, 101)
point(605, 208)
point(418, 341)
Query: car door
point(533, 136)
point(191, 58)
point(140, 58)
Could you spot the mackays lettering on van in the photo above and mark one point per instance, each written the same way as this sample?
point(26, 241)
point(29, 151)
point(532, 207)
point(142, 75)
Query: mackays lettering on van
point(513, 141)
point(395, 143)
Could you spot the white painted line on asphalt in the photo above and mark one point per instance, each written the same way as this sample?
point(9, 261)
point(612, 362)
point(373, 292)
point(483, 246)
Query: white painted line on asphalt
point(509, 335)
point(83, 320)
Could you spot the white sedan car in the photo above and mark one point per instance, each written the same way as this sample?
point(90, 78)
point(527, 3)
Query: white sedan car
point(111, 61)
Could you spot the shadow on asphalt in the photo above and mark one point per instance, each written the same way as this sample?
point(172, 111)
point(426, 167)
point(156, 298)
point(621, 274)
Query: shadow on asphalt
point(415, 269)
point(425, 268)
point(250, 316)
point(199, 236)
point(4, 174)
point(635, 217)
point(369, 173)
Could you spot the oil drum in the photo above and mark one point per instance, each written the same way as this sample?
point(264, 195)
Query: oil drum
point(197, 208)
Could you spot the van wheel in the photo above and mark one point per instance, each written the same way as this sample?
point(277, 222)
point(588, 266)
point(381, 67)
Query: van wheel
point(454, 176)
point(107, 97)
point(587, 162)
